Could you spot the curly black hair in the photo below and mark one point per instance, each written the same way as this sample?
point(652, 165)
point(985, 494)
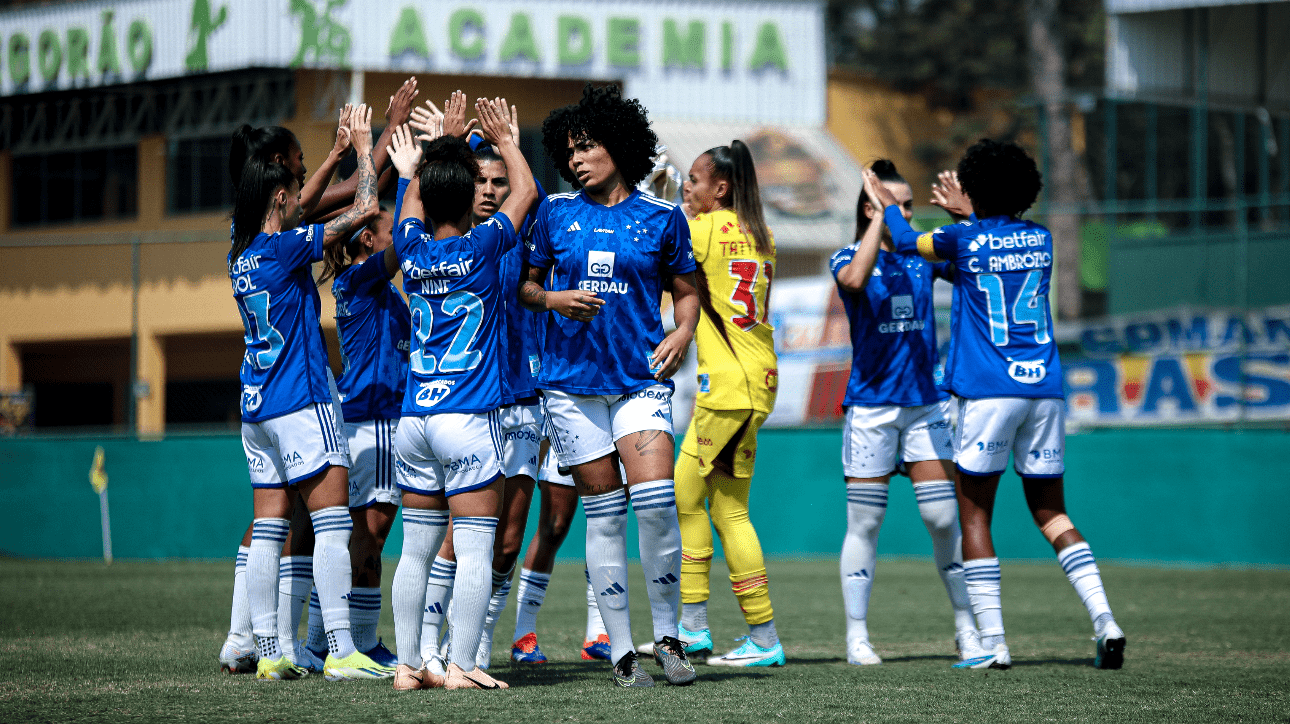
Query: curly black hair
point(1000, 178)
point(619, 124)
point(447, 176)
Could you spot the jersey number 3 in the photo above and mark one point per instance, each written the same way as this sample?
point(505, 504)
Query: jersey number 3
point(744, 272)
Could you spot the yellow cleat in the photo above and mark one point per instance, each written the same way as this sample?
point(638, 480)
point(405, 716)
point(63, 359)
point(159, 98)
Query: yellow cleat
point(355, 666)
point(280, 669)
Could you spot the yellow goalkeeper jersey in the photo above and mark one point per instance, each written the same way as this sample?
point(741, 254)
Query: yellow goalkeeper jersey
point(738, 369)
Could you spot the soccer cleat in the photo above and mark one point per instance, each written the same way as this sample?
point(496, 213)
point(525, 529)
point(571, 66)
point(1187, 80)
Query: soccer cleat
point(236, 660)
point(280, 669)
point(476, 678)
point(526, 651)
point(628, 673)
point(1110, 648)
point(669, 653)
point(698, 644)
point(1000, 659)
point(382, 655)
point(407, 678)
point(355, 666)
point(305, 659)
point(968, 643)
point(860, 653)
point(598, 649)
point(750, 654)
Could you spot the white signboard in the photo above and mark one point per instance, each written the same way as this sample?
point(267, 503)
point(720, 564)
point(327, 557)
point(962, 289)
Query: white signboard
point(701, 60)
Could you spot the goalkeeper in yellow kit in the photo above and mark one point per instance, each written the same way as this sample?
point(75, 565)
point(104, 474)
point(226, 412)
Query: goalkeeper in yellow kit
point(738, 378)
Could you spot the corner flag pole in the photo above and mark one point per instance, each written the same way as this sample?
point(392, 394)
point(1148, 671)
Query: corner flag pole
point(99, 479)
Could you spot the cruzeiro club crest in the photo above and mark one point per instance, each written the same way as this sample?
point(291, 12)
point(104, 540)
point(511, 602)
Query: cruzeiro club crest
point(323, 40)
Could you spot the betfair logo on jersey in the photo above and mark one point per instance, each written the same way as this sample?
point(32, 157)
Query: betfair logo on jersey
point(1030, 373)
point(1015, 240)
point(600, 263)
point(251, 399)
point(245, 264)
point(458, 268)
point(432, 393)
point(902, 306)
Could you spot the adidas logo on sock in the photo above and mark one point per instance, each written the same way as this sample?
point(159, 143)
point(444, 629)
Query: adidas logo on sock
point(613, 590)
point(953, 567)
point(434, 608)
point(862, 574)
point(665, 580)
point(573, 227)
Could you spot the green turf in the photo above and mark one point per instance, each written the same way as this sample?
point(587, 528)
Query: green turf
point(137, 642)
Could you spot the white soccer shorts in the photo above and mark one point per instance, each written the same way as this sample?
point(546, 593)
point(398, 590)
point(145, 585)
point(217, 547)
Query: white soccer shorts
point(1034, 431)
point(449, 453)
point(585, 427)
point(550, 472)
point(372, 476)
point(875, 439)
point(289, 449)
point(521, 439)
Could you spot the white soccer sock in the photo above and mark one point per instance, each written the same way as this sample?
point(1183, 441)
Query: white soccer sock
point(295, 579)
point(423, 533)
point(607, 565)
point(866, 507)
point(438, 595)
point(694, 616)
point(364, 615)
point(332, 527)
point(940, 511)
point(267, 537)
point(496, 602)
point(983, 587)
point(316, 638)
point(472, 539)
point(1081, 570)
point(528, 601)
point(595, 624)
point(654, 503)
point(239, 624)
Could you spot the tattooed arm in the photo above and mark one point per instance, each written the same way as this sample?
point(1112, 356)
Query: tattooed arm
point(339, 229)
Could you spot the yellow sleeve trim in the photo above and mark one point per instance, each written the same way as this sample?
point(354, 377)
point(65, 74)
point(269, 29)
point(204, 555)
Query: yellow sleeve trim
point(925, 248)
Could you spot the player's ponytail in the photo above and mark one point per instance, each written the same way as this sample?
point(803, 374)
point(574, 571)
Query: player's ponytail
point(339, 257)
point(258, 143)
point(885, 170)
point(734, 164)
point(258, 184)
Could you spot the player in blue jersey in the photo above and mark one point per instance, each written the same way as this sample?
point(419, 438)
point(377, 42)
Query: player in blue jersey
point(599, 259)
point(897, 419)
point(449, 440)
point(290, 420)
point(1003, 366)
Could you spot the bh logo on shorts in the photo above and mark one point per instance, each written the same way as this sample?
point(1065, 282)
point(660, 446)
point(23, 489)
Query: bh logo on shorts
point(251, 399)
point(902, 306)
point(600, 263)
point(1029, 373)
point(432, 393)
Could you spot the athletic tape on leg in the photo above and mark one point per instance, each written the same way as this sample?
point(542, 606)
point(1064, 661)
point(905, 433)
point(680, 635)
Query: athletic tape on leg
point(1054, 528)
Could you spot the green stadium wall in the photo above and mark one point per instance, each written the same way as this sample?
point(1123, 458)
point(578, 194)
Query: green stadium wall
point(1160, 496)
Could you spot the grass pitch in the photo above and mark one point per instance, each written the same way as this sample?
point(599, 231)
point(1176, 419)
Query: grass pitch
point(137, 641)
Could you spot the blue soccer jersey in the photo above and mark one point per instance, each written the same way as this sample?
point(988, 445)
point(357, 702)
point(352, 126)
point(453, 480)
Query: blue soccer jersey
point(455, 364)
point(520, 336)
point(1001, 341)
point(893, 331)
point(621, 252)
point(373, 324)
point(285, 366)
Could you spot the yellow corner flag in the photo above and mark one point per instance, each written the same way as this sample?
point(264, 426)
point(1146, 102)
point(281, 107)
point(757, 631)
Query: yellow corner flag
point(98, 476)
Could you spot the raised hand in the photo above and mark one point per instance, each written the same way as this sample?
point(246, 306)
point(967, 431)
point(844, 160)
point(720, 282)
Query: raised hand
point(877, 191)
point(515, 124)
point(405, 152)
point(401, 102)
point(426, 119)
point(343, 143)
point(360, 129)
point(454, 116)
point(948, 194)
point(493, 120)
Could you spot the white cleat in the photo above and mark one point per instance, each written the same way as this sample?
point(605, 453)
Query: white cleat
point(1000, 659)
point(306, 659)
point(236, 657)
point(860, 653)
point(968, 644)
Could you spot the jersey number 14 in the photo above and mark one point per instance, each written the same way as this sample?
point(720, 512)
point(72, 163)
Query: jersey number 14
point(1029, 307)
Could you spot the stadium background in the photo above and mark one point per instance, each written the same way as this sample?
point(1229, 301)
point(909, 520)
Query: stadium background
point(117, 329)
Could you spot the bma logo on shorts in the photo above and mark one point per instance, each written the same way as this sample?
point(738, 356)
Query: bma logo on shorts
point(466, 464)
point(292, 459)
point(1030, 373)
point(600, 263)
point(902, 306)
point(251, 399)
point(255, 464)
point(993, 447)
point(432, 393)
point(1051, 454)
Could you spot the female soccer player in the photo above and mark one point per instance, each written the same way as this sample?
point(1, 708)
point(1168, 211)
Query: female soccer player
point(738, 378)
point(598, 258)
point(449, 440)
point(1003, 367)
point(290, 418)
point(895, 413)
